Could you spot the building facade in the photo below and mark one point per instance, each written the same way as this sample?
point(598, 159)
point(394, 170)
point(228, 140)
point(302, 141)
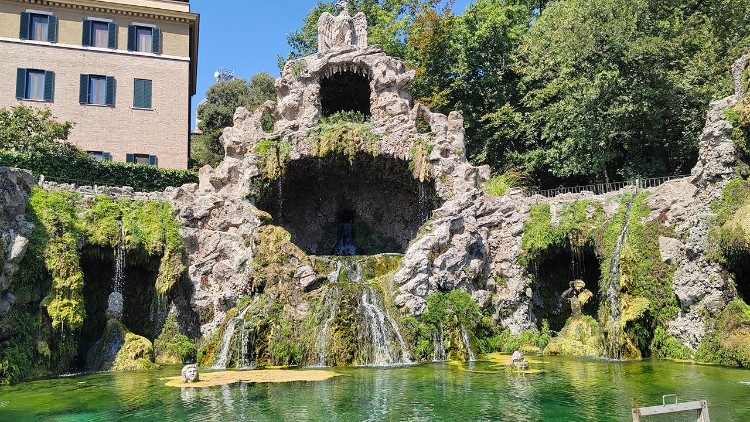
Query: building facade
point(123, 71)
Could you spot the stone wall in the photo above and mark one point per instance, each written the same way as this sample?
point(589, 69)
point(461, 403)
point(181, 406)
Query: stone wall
point(15, 188)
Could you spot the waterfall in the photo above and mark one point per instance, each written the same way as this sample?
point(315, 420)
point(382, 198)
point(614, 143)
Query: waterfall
point(116, 300)
point(346, 246)
point(613, 291)
point(323, 341)
point(383, 329)
point(467, 344)
point(438, 345)
point(422, 204)
point(223, 358)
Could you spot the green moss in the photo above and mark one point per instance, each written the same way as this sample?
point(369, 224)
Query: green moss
point(739, 117)
point(728, 337)
point(500, 184)
point(580, 337)
point(172, 347)
point(345, 135)
point(136, 354)
point(273, 157)
point(276, 258)
point(667, 347)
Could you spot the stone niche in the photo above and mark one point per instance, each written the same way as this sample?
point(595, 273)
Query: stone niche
point(319, 199)
point(345, 91)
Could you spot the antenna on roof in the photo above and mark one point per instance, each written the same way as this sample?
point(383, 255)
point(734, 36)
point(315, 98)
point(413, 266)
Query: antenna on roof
point(223, 75)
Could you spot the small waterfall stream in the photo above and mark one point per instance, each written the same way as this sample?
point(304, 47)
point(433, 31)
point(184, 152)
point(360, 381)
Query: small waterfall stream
point(116, 299)
point(223, 358)
point(613, 291)
point(467, 343)
point(438, 346)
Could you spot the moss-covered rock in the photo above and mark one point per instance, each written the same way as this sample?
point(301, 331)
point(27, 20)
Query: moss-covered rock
point(276, 258)
point(136, 354)
point(728, 339)
point(172, 347)
point(343, 134)
point(581, 336)
point(273, 156)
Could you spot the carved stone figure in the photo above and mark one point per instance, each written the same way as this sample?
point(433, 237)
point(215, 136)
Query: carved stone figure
point(578, 295)
point(190, 374)
point(342, 30)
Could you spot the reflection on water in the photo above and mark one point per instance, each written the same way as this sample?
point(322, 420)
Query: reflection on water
point(568, 390)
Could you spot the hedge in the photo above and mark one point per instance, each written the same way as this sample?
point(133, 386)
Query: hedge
point(69, 165)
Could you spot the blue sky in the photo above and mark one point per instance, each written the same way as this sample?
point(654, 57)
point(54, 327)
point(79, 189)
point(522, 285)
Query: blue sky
point(247, 35)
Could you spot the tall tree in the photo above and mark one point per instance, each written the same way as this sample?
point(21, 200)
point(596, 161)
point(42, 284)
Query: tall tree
point(217, 112)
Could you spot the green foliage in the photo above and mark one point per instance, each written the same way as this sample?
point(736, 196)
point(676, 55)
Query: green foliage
point(32, 139)
point(217, 112)
point(136, 354)
point(728, 337)
point(172, 347)
point(275, 258)
point(27, 129)
point(345, 134)
point(273, 156)
point(500, 184)
point(667, 347)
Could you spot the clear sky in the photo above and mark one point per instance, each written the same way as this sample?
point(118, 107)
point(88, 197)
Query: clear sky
point(247, 35)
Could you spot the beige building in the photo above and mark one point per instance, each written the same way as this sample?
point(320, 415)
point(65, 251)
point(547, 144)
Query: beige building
point(124, 71)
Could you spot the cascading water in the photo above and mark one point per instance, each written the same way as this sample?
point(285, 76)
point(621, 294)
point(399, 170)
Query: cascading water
point(346, 246)
point(116, 300)
point(467, 343)
point(438, 346)
point(383, 345)
point(223, 358)
point(613, 291)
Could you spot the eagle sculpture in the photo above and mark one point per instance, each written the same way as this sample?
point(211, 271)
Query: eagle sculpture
point(342, 30)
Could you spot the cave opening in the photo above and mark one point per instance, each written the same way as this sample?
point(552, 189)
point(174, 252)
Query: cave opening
point(333, 206)
point(139, 295)
point(345, 92)
point(738, 264)
point(554, 273)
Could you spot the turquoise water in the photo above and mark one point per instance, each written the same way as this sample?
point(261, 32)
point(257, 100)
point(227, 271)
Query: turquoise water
point(568, 390)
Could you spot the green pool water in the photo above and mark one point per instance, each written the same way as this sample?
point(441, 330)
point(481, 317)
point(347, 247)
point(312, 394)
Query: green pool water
point(568, 390)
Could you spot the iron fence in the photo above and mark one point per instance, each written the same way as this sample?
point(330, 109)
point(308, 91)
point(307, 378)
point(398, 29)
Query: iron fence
point(602, 188)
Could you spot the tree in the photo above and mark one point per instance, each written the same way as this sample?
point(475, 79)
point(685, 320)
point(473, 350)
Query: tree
point(217, 112)
point(24, 129)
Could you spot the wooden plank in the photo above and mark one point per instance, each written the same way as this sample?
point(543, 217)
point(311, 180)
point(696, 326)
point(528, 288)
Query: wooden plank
point(700, 406)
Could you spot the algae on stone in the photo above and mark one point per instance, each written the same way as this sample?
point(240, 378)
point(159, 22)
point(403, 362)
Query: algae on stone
point(728, 339)
point(581, 336)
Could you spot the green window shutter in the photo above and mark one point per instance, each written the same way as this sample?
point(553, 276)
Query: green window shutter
point(156, 35)
point(152, 160)
point(20, 84)
point(25, 26)
point(130, 158)
point(147, 91)
point(49, 86)
point(110, 91)
point(86, 33)
point(84, 92)
point(52, 29)
point(138, 93)
point(112, 36)
point(131, 38)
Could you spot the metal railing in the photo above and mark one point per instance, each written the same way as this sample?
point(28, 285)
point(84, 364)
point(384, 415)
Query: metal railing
point(602, 188)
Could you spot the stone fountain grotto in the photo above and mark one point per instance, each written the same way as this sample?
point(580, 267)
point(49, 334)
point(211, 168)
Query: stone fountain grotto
point(355, 232)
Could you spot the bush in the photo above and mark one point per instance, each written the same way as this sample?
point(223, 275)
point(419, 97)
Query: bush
point(67, 164)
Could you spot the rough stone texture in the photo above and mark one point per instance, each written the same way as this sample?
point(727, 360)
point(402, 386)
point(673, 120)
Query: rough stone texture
point(738, 73)
point(15, 188)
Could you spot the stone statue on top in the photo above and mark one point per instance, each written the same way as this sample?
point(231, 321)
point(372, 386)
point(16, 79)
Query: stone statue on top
point(342, 30)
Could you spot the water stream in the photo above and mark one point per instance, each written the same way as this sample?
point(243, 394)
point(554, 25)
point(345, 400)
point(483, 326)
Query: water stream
point(438, 346)
point(613, 291)
point(467, 343)
point(223, 358)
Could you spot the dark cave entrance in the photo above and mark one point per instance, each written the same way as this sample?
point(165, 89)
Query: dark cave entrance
point(141, 305)
point(552, 274)
point(344, 92)
point(332, 206)
point(738, 264)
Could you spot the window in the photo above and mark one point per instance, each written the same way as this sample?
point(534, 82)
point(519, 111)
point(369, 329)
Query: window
point(97, 90)
point(99, 34)
point(36, 85)
point(100, 155)
point(142, 94)
point(38, 27)
point(145, 159)
point(145, 39)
